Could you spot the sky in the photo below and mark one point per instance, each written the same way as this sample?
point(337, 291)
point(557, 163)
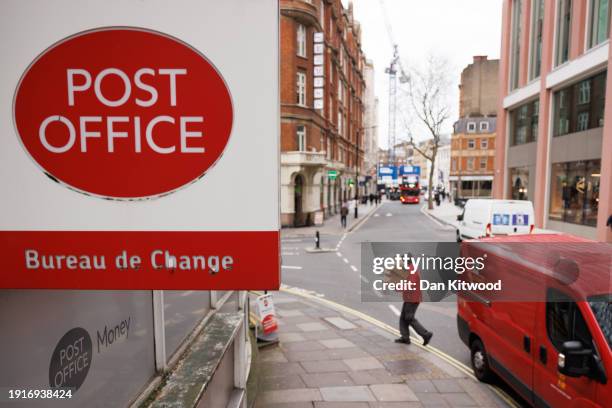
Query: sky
point(455, 30)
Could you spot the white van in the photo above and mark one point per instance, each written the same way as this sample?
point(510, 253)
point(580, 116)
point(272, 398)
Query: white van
point(486, 218)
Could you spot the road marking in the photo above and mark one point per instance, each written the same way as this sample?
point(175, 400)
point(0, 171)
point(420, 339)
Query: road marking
point(290, 248)
point(187, 293)
point(289, 253)
point(364, 279)
point(417, 342)
point(291, 240)
point(339, 254)
point(388, 214)
point(291, 267)
point(394, 310)
point(353, 268)
point(345, 260)
point(377, 215)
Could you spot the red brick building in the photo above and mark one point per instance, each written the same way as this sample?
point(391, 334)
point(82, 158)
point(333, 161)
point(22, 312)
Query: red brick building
point(322, 109)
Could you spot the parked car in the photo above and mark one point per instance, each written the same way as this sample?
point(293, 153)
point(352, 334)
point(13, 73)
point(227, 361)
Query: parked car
point(485, 218)
point(555, 351)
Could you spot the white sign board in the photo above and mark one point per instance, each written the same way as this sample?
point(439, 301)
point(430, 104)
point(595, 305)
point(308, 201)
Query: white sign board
point(122, 126)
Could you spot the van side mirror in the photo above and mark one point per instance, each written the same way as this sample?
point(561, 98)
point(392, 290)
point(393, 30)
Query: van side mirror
point(460, 217)
point(574, 360)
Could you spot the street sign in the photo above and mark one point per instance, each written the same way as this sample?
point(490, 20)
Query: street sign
point(332, 174)
point(119, 132)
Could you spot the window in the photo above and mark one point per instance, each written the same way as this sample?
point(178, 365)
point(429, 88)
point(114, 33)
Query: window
point(301, 88)
point(454, 164)
point(322, 15)
point(580, 106)
point(301, 137)
point(470, 163)
point(340, 128)
point(537, 23)
point(484, 144)
point(564, 321)
point(301, 40)
point(471, 127)
point(483, 163)
point(471, 143)
point(524, 123)
point(484, 126)
point(328, 150)
point(574, 192)
point(599, 22)
point(517, 28)
point(519, 183)
point(564, 22)
point(340, 92)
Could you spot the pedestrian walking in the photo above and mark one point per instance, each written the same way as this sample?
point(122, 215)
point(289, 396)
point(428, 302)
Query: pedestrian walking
point(343, 213)
point(437, 197)
point(371, 198)
point(412, 299)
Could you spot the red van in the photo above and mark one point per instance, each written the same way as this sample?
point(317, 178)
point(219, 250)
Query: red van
point(555, 348)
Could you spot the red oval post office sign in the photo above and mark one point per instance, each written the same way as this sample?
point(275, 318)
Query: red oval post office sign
point(123, 113)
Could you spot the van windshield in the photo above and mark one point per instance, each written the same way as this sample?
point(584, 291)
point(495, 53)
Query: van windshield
point(602, 309)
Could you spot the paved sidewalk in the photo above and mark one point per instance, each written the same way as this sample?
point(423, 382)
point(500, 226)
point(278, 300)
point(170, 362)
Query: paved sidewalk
point(446, 213)
point(327, 359)
point(332, 225)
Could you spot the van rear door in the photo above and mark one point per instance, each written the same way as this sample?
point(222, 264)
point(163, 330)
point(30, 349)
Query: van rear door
point(559, 320)
point(512, 217)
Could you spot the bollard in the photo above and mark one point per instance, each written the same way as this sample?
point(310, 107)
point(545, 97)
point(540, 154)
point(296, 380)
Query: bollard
point(317, 241)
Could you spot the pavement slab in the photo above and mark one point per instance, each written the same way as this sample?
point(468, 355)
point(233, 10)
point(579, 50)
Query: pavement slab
point(353, 393)
point(393, 392)
point(329, 366)
point(325, 364)
point(340, 323)
point(363, 363)
point(337, 343)
point(333, 379)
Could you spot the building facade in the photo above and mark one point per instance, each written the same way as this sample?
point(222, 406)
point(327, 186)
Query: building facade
point(473, 140)
point(322, 109)
point(554, 128)
point(370, 130)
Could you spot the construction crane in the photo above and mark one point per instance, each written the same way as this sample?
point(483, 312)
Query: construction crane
point(392, 71)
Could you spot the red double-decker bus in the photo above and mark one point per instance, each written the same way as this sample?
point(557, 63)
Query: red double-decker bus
point(410, 192)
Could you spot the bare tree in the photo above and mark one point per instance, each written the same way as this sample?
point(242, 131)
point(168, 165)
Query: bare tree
point(428, 96)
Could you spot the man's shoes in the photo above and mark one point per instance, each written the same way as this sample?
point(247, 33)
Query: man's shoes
point(402, 340)
point(427, 338)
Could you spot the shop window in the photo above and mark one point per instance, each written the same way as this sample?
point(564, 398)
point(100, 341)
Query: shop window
point(519, 183)
point(574, 194)
point(580, 106)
